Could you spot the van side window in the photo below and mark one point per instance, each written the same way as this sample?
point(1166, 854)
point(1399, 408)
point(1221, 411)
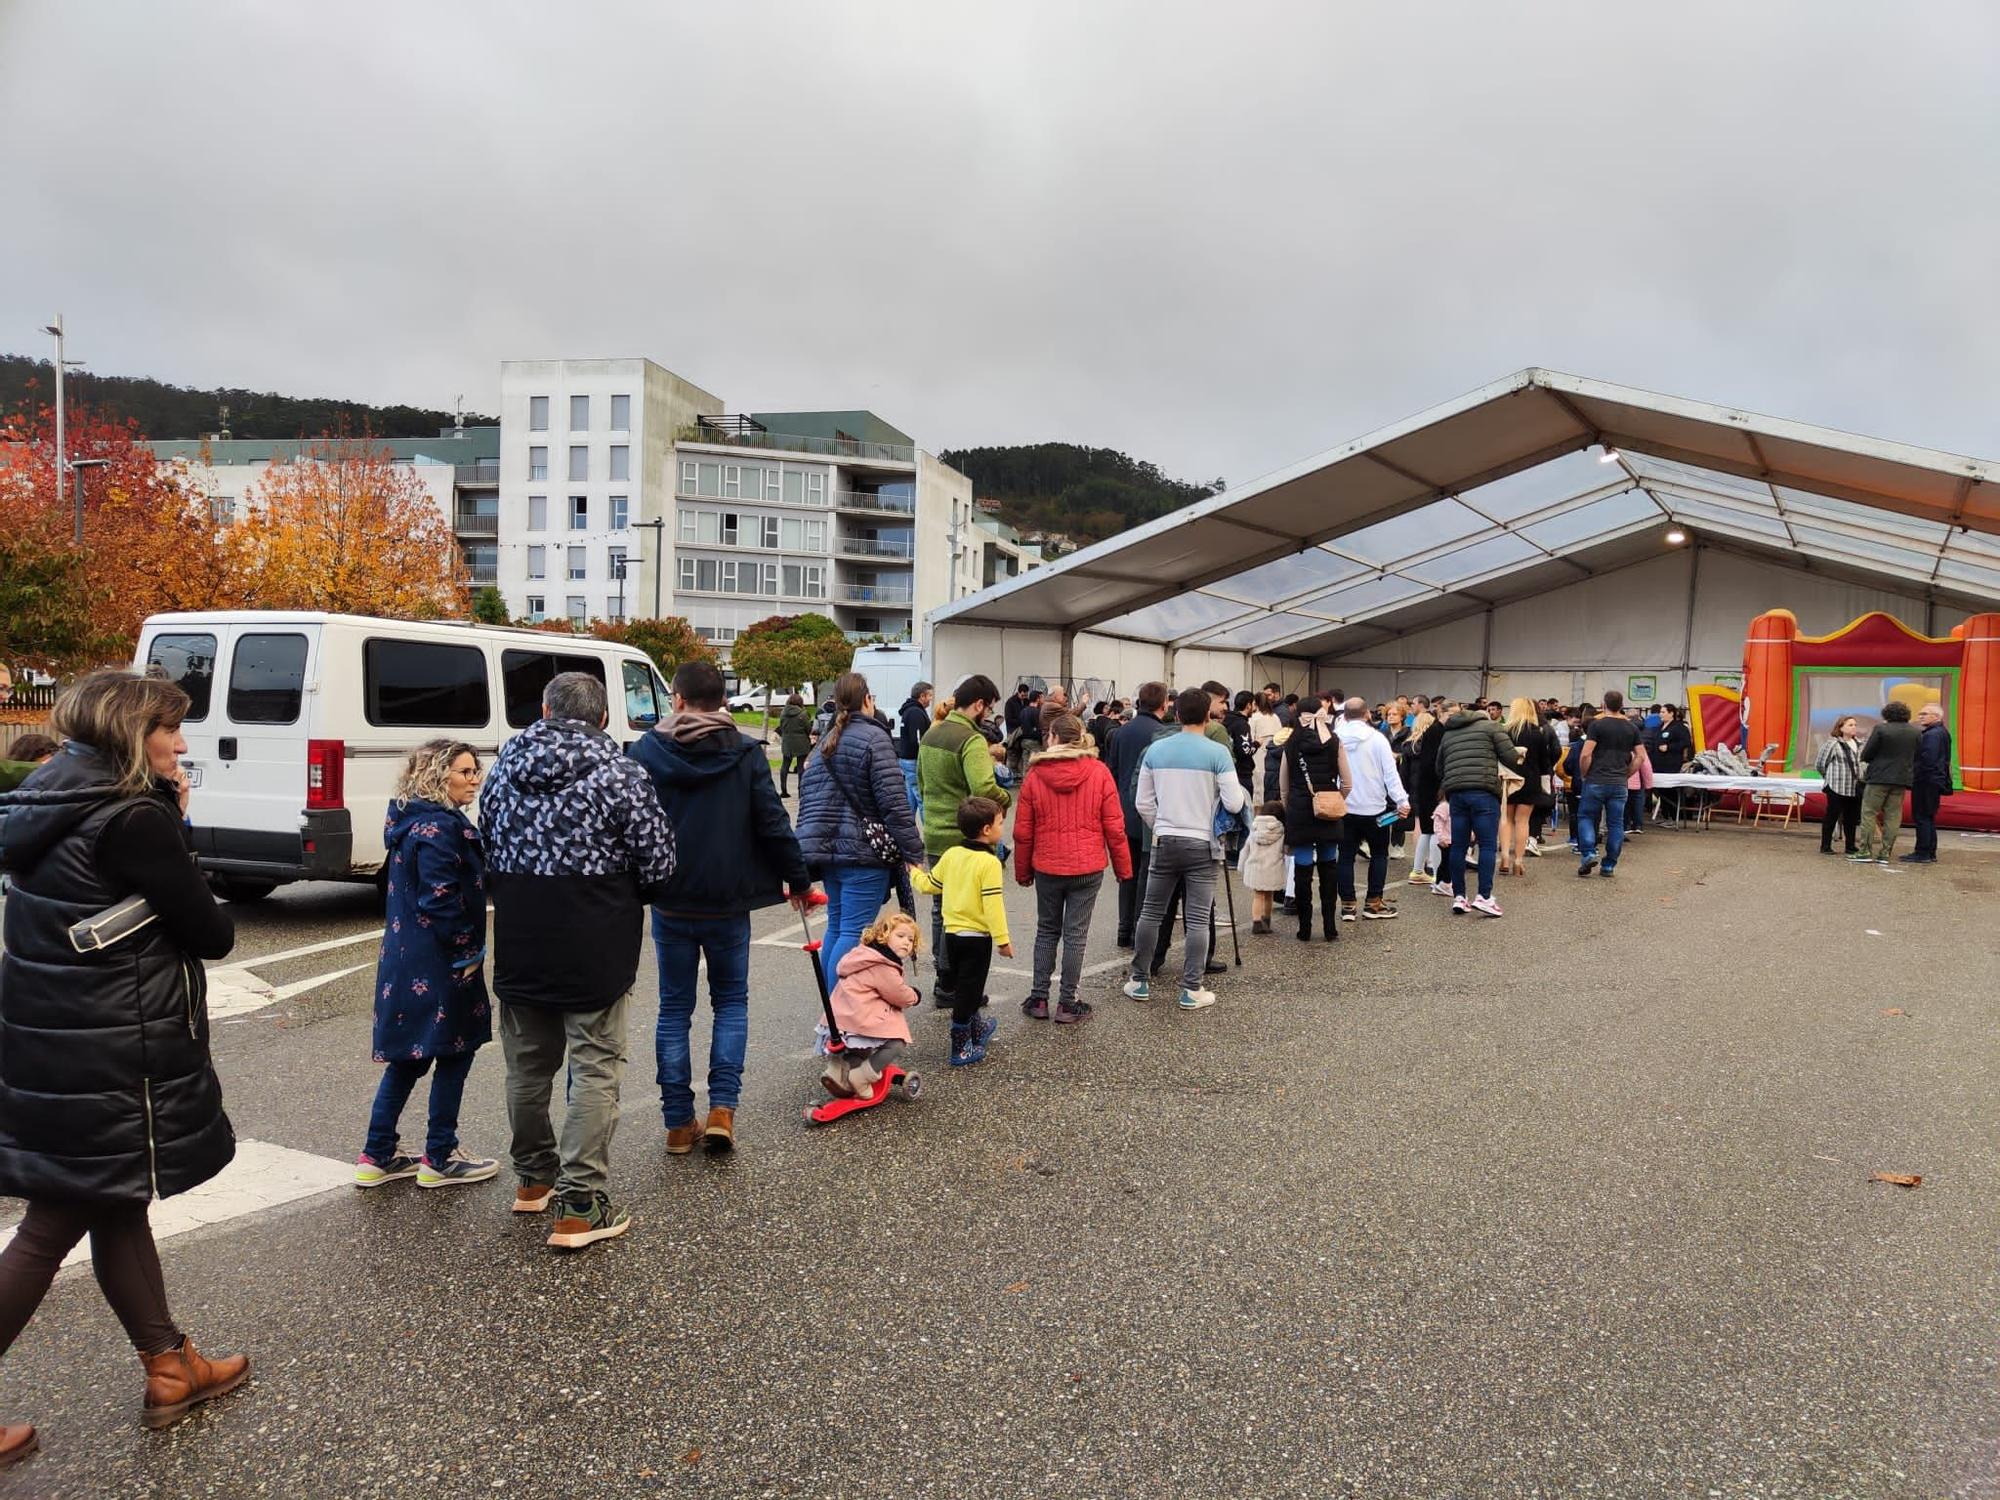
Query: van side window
point(267, 679)
point(523, 675)
point(424, 684)
point(187, 661)
point(641, 707)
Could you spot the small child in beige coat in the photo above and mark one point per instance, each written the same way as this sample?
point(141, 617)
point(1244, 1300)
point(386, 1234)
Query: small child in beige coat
point(1263, 863)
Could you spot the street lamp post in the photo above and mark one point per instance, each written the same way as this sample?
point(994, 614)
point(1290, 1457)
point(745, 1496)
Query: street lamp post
point(77, 467)
point(56, 328)
point(625, 562)
point(659, 529)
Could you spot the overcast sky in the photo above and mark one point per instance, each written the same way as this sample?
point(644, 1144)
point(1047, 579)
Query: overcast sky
point(1219, 236)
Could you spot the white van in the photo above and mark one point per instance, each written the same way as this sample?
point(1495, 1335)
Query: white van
point(300, 722)
point(891, 672)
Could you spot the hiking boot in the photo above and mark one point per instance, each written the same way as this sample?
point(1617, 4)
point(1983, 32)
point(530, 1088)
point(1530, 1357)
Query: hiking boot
point(983, 1027)
point(1070, 1012)
point(586, 1218)
point(1036, 1007)
point(965, 1048)
point(1197, 999)
point(681, 1138)
point(1137, 989)
point(370, 1173)
point(719, 1135)
point(16, 1443)
point(1486, 906)
point(181, 1379)
point(1378, 909)
point(456, 1170)
point(533, 1197)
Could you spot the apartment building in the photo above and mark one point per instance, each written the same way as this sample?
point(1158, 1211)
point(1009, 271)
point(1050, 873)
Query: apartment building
point(628, 491)
point(459, 469)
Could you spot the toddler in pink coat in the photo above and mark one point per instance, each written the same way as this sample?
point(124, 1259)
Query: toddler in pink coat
point(869, 1002)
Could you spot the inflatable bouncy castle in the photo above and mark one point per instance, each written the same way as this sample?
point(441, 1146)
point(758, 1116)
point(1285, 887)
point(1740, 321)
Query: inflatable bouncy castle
point(1797, 687)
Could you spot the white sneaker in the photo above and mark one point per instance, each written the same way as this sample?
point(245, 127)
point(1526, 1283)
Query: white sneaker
point(1138, 989)
point(1534, 848)
point(1460, 906)
point(1418, 877)
point(1486, 906)
point(1440, 888)
point(1197, 999)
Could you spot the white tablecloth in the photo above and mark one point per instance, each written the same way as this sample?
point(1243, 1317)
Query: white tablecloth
point(1740, 783)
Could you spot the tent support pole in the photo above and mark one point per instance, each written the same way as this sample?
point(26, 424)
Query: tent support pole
point(1687, 641)
point(1067, 657)
point(1486, 656)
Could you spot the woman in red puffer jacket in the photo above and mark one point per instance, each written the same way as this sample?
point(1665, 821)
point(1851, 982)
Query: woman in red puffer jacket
point(1068, 825)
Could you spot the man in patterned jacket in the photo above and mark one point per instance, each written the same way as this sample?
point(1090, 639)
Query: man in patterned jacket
point(576, 846)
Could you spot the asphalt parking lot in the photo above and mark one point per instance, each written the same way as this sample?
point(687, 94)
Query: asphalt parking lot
point(1577, 1202)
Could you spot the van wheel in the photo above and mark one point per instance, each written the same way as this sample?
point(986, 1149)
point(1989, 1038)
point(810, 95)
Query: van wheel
point(245, 891)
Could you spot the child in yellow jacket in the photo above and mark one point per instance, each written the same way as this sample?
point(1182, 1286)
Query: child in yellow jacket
point(971, 880)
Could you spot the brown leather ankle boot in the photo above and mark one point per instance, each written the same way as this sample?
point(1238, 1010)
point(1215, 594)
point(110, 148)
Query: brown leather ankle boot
point(181, 1379)
point(720, 1133)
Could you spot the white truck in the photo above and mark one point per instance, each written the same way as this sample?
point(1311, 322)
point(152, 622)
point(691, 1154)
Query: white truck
point(300, 722)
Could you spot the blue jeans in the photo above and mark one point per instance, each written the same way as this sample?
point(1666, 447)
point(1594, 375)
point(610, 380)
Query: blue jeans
point(910, 786)
point(854, 894)
point(679, 946)
point(1606, 805)
point(1307, 855)
point(447, 1090)
point(1475, 812)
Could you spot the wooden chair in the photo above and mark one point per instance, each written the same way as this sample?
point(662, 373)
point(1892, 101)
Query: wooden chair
point(1780, 807)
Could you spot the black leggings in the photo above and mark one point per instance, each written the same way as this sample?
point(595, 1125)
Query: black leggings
point(121, 1253)
point(1845, 811)
point(971, 956)
point(786, 766)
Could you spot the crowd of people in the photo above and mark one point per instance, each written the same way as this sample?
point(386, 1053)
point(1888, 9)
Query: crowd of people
point(109, 1097)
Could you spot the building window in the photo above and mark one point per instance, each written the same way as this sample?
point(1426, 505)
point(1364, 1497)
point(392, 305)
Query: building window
point(687, 573)
point(816, 488)
point(621, 413)
point(538, 512)
point(689, 470)
point(579, 513)
point(577, 610)
point(579, 564)
point(538, 562)
point(538, 463)
point(621, 461)
point(769, 527)
point(579, 414)
point(621, 508)
point(804, 581)
point(538, 414)
point(579, 462)
point(867, 625)
point(615, 557)
point(800, 535)
point(483, 559)
point(538, 608)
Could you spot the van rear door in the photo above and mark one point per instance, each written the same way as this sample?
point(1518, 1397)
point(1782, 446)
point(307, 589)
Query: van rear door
point(186, 655)
point(261, 748)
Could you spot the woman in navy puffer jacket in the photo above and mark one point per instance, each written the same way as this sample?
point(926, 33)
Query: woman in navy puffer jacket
point(853, 779)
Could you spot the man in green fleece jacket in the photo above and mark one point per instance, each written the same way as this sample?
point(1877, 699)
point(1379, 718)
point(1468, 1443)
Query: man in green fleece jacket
point(953, 763)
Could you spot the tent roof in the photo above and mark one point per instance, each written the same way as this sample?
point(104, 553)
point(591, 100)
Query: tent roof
point(1497, 496)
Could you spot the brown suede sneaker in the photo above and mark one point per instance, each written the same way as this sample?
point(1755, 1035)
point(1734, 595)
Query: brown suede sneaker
point(720, 1136)
point(532, 1197)
point(180, 1380)
point(681, 1138)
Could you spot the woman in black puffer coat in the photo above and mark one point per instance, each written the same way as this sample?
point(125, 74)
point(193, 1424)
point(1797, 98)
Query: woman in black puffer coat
point(108, 1097)
point(1315, 761)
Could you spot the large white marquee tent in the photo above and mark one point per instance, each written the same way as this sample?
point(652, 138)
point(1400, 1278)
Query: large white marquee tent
point(1547, 534)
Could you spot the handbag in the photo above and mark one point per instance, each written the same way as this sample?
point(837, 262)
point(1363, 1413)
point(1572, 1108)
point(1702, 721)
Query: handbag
point(874, 832)
point(1328, 807)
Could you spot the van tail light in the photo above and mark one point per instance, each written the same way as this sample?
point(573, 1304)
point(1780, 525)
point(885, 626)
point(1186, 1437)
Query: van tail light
point(326, 775)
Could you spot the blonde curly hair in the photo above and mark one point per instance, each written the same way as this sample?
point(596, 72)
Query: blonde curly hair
point(427, 773)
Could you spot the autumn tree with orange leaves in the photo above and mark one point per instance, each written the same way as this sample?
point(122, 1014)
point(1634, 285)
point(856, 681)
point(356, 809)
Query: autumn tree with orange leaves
point(343, 528)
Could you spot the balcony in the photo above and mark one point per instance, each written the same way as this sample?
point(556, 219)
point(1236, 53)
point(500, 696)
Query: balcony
point(483, 474)
point(861, 503)
point(894, 596)
point(741, 432)
point(472, 520)
point(861, 546)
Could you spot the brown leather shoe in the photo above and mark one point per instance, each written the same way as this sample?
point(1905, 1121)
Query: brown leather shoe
point(16, 1443)
point(533, 1197)
point(720, 1135)
point(181, 1379)
point(681, 1138)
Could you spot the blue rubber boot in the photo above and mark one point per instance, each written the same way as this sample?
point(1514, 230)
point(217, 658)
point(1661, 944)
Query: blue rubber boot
point(966, 1048)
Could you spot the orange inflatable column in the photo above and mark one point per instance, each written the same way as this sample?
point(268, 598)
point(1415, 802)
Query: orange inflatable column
point(1767, 686)
point(1979, 704)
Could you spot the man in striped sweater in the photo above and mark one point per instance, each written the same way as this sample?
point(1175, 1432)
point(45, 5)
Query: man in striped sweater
point(1181, 781)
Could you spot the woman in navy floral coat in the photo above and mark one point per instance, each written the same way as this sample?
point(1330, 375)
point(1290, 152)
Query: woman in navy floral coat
point(431, 1007)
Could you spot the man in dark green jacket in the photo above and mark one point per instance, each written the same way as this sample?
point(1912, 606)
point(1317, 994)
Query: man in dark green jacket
point(1470, 755)
point(1888, 770)
point(953, 763)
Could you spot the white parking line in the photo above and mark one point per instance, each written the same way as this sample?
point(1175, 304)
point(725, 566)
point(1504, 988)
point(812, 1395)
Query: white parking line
point(309, 949)
point(262, 1176)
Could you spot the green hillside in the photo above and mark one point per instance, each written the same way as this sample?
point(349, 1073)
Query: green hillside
point(1086, 493)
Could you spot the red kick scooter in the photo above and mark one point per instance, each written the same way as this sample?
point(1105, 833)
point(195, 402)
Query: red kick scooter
point(893, 1076)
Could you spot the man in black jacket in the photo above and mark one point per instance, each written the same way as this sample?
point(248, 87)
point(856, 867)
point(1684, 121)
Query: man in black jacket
point(1933, 781)
point(575, 846)
point(1127, 748)
point(714, 784)
point(913, 722)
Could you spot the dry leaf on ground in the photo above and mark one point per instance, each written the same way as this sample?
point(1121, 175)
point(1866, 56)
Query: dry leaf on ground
point(1015, 1286)
point(1894, 1010)
point(1900, 1179)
